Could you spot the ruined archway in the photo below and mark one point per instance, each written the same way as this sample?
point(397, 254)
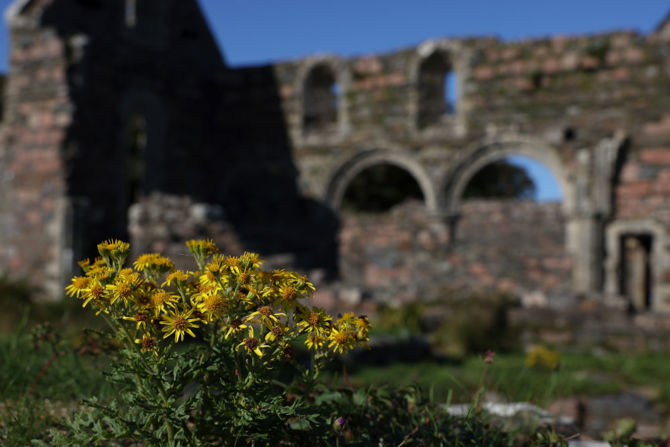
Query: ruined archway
point(347, 171)
point(507, 241)
point(379, 188)
point(474, 159)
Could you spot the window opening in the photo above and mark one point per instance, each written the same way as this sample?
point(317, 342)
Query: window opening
point(131, 13)
point(321, 95)
point(433, 88)
point(514, 177)
point(450, 92)
point(635, 270)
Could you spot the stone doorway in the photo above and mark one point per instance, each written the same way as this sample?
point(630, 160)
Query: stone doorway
point(635, 278)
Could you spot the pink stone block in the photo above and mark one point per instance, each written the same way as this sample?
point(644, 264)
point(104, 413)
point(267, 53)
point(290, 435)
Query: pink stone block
point(634, 55)
point(621, 74)
point(629, 173)
point(368, 65)
point(570, 61)
point(658, 128)
point(660, 156)
point(551, 66)
point(286, 91)
point(483, 73)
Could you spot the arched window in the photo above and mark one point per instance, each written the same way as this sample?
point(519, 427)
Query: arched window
point(514, 177)
point(436, 90)
point(378, 188)
point(135, 160)
point(320, 100)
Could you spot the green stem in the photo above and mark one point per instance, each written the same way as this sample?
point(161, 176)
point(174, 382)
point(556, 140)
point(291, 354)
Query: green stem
point(157, 383)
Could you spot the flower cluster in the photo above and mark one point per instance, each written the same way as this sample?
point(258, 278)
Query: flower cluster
point(542, 357)
point(258, 312)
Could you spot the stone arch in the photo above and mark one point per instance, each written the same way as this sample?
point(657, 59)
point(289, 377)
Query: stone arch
point(475, 158)
point(150, 108)
point(346, 172)
point(341, 77)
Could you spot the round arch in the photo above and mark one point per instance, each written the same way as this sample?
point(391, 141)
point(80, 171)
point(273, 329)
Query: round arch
point(345, 173)
point(457, 178)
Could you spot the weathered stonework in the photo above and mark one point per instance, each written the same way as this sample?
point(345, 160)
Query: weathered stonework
point(107, 102)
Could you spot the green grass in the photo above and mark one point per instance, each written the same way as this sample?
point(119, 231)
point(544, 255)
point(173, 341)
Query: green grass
point(578, 374)
point(38, 388)
point(70, 376)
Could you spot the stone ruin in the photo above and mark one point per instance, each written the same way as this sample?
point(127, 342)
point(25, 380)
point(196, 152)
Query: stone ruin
point(111, 106)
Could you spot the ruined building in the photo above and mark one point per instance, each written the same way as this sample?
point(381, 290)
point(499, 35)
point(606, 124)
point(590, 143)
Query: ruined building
point(109, 103)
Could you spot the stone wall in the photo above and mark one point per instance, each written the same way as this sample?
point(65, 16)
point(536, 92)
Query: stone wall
point(102, 110)
point(37, 113)
point(405, 255)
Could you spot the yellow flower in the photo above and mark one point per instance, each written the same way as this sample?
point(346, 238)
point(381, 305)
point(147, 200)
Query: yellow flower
point(265, 316)
point(541, 356)
point(314, 341)
point(340, 341)
point(233, 264)
point(140, 318)
point(212, 305)
point(250, 260)
point(99, 270)
point(252, 344)
point(202, 247)
point(115, 249)
point(148, 343)
point(363, 323)
point(288, 297)
point(178, 276)
point(153, 261)
point(213, 271)
point(124, 287)
point(95, 291)
point(178, 324)
point(317, 320)
point(235, 327)
point(346, 319)
point(276, 332)
point(160, 298)
point(78, 286)
point(84, 264)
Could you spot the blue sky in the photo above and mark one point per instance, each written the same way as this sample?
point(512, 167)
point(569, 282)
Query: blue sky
point(257, 31)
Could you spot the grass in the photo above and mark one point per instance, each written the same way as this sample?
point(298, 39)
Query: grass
point(28, 408)
point(43, 379)
point(579, 374)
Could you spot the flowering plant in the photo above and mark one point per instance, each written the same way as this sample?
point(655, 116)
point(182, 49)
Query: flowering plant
point(207, 357)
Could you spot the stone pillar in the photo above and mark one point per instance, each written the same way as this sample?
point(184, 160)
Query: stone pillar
point(584, 240)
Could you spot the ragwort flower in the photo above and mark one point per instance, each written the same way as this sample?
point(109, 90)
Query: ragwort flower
point(78, 286)
point(148, 343)
point(252, 344)
point(179, 323)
